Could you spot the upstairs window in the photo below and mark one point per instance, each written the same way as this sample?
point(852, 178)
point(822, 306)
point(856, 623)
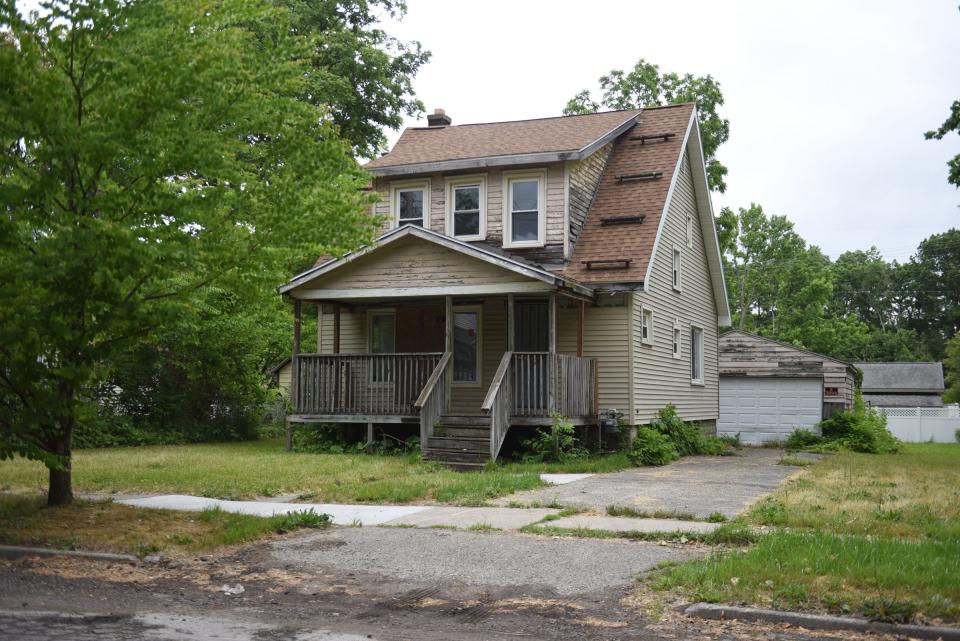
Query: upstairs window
point(677, 268)
point(411, 204)
point(524, 221)
point(466, 218)
point(696, 355)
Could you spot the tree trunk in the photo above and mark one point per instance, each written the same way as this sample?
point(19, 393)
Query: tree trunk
point(60, 491)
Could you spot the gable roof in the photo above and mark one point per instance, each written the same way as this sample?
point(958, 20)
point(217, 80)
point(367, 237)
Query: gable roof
point(650, 198)
point(446, 148)
point(472, 250)
point(727, 336)
point(902, 377)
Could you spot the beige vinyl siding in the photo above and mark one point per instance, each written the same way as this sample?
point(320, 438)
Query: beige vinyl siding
point(353, 332)
point(605, 338)
point(555, 205)
point(743, 354)
point(283, 378)
point(411, 262)
point(658, 377)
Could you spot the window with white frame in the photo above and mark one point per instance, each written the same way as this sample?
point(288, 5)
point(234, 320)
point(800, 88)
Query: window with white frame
point(466, 346)
point(677, 268)
point(696, 355)
point(467, 211)
point(411, 204)
point(383, 340)
point(646, 326)
point(676, 338)
point(525, 220)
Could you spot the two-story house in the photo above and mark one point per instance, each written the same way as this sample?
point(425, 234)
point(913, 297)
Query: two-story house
point(560, 265)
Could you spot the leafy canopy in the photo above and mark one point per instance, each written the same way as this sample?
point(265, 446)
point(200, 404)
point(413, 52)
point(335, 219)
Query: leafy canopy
point(147, 150)
point(951, 124)
point(646, 86)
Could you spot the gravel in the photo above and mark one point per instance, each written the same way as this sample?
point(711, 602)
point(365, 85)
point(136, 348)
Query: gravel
point(563, 565)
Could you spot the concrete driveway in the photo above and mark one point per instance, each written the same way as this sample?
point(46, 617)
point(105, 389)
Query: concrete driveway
point(700, 485)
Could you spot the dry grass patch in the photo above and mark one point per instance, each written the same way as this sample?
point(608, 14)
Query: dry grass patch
point(914, 493)
point(108, 527)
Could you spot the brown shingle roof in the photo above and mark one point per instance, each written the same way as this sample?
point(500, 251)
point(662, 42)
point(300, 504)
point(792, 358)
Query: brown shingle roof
point(460, 142)
point(647, 198)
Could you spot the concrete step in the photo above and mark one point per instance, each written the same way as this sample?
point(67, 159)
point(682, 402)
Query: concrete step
point(458, 443)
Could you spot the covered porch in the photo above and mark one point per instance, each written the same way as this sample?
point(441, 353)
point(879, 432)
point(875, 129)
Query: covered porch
point(462, 361)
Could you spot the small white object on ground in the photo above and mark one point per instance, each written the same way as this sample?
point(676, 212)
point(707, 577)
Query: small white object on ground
point(563, 479)
point(232, 589)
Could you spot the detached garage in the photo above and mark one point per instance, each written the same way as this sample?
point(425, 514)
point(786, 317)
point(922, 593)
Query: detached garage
point(768, 388)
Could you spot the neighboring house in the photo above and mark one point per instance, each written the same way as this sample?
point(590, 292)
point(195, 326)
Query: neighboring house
point(280, 375)
point(559, 265)
point(902, 384)
point(769, 388)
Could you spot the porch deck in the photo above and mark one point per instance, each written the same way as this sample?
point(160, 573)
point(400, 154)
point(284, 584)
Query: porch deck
point(528, 389)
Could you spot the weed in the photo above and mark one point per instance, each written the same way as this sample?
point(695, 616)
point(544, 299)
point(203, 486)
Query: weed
point(300, 519)
point(716, 517)
point(889, 610)
point(180, 539)
point(484, 527)
point(621, 510)
point(793, 460)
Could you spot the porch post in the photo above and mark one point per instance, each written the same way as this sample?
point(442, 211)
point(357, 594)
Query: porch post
point(294, 373)
point(319, 328)
point(448, 347)
point(511, 326)
point(583, 307)
point(552, 348)
point(336, 328)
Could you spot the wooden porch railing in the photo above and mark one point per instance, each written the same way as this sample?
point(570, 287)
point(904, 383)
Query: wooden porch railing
point(374, 384)
point(433, 399)
point(498, 403)
point(544, 383)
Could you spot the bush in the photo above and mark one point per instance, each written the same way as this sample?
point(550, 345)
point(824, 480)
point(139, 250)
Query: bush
point(325, 438)
point(686, 437)
point(860, 429)
point(651, 447)
point(801, 439)
point(956, 435)
point(555, 444)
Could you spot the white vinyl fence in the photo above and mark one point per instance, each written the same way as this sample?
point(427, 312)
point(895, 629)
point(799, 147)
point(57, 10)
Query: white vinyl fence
point(924, 424)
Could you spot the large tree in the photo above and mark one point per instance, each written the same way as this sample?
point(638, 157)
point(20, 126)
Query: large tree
point(147, 149)
point(950, 125)
point(646, 86)
point(930, 282)
point(360, 74)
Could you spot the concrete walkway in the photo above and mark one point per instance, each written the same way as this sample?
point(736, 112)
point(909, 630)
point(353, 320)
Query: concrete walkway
point(630, 524)
point(699, 485)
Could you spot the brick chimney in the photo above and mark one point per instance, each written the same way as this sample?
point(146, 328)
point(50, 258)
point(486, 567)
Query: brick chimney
point(438, 118)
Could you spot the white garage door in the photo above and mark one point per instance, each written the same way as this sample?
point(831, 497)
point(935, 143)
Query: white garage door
point(766, 410)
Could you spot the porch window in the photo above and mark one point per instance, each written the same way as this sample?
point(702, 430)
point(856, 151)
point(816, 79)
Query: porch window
point(383, 340)
point(466, 216)
point(525, 211)
point(466, 346)
point(411, 202)
point(696, 355)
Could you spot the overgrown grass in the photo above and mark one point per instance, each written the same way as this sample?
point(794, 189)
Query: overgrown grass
point(245, 470)
point(108, 527)
point(821, 571)
point(727, 534)
point(870, 534)
point(613, 462)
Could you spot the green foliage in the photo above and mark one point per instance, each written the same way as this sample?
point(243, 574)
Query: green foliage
point(300, 519)
point(861, 429)
point(951, 124)
point(801, 439)
point(558, 443)
point(361, 75)
point(951, 367)
point(646, 86)
point(321, 438)
point(147, 151)
point(651, 447)
point(686, 437)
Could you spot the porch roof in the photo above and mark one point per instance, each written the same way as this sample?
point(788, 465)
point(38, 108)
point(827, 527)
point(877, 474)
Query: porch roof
point(533, 278)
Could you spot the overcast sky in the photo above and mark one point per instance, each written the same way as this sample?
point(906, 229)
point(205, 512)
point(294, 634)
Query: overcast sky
point(827, 101)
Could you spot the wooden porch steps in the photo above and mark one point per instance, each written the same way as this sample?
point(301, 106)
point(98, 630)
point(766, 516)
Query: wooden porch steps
point(462, 442)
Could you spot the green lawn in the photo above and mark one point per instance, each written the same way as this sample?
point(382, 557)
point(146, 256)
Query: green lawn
point(877, 535)
point(262, 468)
point(108, 527)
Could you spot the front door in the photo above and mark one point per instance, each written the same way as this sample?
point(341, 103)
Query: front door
point(531, 334)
